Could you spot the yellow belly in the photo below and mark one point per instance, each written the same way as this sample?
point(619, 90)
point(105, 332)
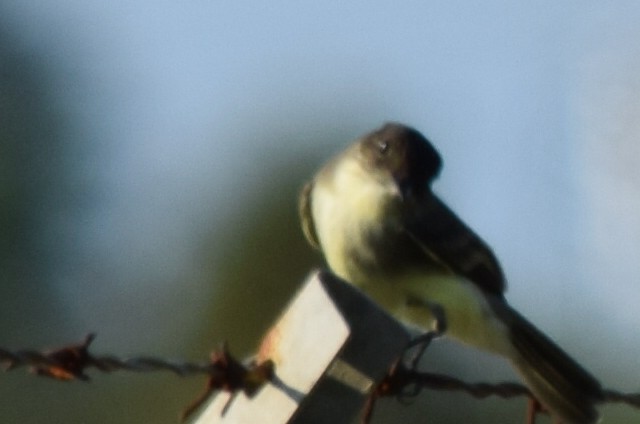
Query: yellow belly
point(469, 317)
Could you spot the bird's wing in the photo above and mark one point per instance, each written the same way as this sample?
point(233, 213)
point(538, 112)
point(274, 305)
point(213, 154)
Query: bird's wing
point(444, 237)
point(306, 215)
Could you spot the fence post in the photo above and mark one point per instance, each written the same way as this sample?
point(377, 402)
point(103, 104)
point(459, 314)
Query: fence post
point(330, 347)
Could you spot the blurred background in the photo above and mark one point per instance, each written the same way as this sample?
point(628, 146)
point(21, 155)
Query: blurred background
point(151, 153)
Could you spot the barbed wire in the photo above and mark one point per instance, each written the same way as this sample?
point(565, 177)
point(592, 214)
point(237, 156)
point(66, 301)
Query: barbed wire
point(225, 373)
point(405, 382)
point(70, 362)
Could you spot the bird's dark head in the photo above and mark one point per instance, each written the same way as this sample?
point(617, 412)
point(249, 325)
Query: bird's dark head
point(405, 155)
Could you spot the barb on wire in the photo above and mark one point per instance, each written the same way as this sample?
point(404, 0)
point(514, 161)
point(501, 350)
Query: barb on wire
point(226, 373)
point(70, 362)
point(67, 363)
point(403, 382)
point(238, 377)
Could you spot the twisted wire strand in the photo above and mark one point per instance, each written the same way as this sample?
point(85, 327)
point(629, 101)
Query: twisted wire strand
point(71, 361)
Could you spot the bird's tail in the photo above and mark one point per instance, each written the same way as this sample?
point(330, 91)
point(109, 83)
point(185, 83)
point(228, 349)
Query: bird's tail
point(558, 382)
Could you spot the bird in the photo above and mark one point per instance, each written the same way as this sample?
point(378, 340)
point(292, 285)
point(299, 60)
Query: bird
point(373, 214)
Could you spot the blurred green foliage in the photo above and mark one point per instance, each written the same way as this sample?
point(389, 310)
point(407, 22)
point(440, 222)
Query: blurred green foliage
point(264, 260)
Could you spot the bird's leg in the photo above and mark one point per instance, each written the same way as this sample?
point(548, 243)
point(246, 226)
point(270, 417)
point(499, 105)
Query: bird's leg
point(422, 342)
point(395, 382)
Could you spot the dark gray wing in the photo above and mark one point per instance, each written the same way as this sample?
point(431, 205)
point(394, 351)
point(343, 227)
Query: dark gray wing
point(444, 237)
point(306, 215)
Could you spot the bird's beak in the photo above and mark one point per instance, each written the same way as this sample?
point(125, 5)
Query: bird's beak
point(404, 188)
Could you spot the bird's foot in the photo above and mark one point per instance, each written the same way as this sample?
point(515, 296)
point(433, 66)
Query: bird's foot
point(422, 342)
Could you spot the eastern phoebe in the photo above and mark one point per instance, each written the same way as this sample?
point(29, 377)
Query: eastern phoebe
point(372, 213)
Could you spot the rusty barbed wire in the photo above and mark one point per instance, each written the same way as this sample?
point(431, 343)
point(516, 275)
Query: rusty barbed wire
point(225, 373)
point(70, 362)
point(404, 382)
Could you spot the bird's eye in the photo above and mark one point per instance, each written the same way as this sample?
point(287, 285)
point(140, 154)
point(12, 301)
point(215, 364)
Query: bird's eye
point(383, 146)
